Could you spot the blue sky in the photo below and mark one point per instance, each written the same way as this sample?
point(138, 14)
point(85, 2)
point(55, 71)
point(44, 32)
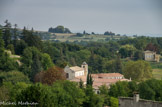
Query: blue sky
point(119, 16)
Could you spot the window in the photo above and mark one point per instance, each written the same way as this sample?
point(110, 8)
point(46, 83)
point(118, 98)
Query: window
point(67, 75)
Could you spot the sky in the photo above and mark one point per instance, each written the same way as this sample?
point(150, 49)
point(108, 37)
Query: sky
point(141, 17)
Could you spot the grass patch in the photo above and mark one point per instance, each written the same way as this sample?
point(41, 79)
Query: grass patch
point(156, 65)
point(157, 73)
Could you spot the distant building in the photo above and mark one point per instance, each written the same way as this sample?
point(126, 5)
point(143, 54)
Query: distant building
point(137, 102)
point(77, 73)
point(106, 79)
point(151, 56)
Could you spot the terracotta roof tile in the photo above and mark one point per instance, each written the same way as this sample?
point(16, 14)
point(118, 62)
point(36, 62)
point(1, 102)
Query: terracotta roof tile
point(106, 75)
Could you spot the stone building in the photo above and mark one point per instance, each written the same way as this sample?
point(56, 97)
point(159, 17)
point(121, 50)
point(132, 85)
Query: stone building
point(137, 102)
point(151, 56)
point(76, 73)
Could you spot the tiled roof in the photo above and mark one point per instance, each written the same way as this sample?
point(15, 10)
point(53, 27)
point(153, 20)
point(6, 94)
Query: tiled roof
point(99, 82)
point(77, 79)
point(107, 75)
point(76, 68)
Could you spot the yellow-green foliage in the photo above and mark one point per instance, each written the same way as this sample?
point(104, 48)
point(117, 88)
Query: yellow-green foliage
point(137, 70)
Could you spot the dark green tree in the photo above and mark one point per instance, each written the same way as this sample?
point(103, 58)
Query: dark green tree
point(37, 93)
point(31, 39)
point(7, 33)
point(35, 67)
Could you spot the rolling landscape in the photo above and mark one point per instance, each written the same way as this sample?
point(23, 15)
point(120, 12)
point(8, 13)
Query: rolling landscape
point(80, 53)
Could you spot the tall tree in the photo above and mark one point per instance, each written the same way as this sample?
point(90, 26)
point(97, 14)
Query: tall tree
point(31, 39)
point(52, 75)
point(35, 67)
point(137, 70)
point(7, 33)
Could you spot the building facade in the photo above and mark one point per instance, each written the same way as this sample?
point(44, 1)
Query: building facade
point(151, 56)
point(77, 74)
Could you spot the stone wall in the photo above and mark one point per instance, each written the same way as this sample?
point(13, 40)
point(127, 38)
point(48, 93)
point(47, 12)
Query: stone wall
point(135, 102)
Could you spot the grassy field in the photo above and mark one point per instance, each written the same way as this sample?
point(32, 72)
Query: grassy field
point(63, 37)
point(157, 73)
point(157, 69)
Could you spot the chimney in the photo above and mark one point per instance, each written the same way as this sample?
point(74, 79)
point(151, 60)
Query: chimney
point(136, 97)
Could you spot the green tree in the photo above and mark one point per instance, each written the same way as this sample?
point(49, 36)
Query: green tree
point(114, 102)
point(119, 89)
point(1, 41)
point(20, 45)
point(137, 70)
point(64, 95)
point(46, 61)
point(11, 48)
point(92, 99)
point(127, 51)
point(104, 93)
point(35, 67)
point(31, 39)
point(37, 93)
point(31, 62)
point(13, 77)
point(7, 33)
point(89, 80)
point(146, 92)
point(150, 89)
point(81, 85)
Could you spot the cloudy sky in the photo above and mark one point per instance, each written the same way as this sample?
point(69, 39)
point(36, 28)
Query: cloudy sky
point(119, 16)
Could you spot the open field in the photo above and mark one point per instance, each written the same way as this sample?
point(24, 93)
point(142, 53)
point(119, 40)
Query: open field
point(156, 65)
point(63, 37)
point(157, 73)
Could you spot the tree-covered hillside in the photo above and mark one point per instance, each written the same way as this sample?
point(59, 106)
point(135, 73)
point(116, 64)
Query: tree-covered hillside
point(37, 74)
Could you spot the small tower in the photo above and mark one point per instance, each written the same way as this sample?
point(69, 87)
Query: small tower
point(85, 66)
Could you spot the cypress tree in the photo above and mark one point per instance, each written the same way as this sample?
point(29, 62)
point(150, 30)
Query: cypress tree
point(7, 33)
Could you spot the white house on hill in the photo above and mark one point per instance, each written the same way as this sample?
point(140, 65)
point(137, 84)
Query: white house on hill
point(76, 71)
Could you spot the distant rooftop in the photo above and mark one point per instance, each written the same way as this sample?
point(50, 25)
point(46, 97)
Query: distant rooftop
point(76, 68)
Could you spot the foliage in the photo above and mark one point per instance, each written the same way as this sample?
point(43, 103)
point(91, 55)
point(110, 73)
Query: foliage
point(150, 90)
point(137, 70)
point(67, 93)
point(89, 80)
point(114, 102)
point(37, 93)
point(46, 61)
point(151, 47)
point(59, 29)
point(4, 93)
point(109, 33)
point(7, 63)
point(50, 76)
point(13, 77)
point(31, 60)
point(31, 39)
point(7, 33)
point(92, 100)
point(119, 89)
point(104, 93)
point(127, 51)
